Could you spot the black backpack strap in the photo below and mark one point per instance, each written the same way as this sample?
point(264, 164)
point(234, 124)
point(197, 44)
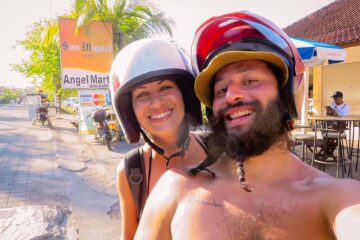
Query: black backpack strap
point(135, 174)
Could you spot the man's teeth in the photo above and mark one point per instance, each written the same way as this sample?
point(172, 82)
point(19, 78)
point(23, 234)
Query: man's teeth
point(160, 115)
point(240, 114)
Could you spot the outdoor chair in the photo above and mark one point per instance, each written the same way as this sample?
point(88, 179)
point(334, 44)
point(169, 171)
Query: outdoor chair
point(328, 147)
point(306, 140)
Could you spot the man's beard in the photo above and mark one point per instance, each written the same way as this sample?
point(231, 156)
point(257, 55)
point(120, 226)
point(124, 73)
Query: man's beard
point(265, 130)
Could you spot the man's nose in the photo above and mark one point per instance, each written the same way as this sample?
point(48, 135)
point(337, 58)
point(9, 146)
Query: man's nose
point(234, 94)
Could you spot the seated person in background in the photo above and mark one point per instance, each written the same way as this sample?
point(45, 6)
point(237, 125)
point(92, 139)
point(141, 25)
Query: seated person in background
point(338, 107)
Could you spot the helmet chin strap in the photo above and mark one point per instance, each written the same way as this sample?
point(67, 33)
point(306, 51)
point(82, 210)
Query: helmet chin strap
point(152, 145)
point(180, 153)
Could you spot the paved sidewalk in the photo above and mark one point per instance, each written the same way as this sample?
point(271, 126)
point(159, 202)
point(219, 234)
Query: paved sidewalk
point(32, 191)
point(58, 168)
point(23, 176)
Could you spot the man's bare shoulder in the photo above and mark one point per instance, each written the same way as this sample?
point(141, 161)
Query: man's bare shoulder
point(334, 195)
point(340, 201)
point(337, 193)
point(323, 182)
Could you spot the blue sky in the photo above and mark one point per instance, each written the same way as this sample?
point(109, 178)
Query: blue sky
point(18, 15)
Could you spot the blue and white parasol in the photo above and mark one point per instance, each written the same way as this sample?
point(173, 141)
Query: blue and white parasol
point(316, 53)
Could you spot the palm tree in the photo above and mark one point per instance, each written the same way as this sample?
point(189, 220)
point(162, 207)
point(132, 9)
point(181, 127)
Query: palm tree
point(131, 19)
point(43, 65)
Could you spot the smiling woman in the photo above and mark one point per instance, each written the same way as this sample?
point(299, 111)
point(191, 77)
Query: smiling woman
point(149, 80)
point(159, 108)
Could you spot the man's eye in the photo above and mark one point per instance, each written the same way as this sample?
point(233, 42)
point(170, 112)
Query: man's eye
point(221, 92)
point(250, 82)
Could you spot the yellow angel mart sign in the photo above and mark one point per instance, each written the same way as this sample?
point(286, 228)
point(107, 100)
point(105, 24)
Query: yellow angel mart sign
point(86, 55)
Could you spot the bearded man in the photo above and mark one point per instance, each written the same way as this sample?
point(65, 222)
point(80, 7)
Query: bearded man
point(249, 74)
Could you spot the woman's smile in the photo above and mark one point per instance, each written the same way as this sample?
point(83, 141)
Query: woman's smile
point(161, 116)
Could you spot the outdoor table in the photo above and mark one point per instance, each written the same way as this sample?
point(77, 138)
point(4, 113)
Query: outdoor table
point(336, 118)
point(350, 122)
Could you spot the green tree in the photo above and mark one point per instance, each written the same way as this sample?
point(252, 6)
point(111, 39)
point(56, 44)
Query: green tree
point(42, 66)
point(10, 94)
point(43, 63)
point(131, 20)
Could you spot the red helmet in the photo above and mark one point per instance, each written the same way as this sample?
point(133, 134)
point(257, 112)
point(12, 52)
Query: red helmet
point(240, 36)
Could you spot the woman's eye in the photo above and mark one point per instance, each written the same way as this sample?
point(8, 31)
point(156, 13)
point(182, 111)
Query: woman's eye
point(164, 88)
point(220, 92)
point(142, 95)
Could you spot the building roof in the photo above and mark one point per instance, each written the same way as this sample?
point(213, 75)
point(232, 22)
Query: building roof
point(337, 23)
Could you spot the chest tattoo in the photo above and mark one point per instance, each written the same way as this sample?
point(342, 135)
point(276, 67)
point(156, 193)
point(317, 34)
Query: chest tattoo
point(197, 199)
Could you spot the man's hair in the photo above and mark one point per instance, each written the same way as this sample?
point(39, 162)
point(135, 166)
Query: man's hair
point(286, 96)
point(277, 73)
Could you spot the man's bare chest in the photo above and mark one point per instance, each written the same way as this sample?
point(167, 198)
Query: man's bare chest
point(227, 217)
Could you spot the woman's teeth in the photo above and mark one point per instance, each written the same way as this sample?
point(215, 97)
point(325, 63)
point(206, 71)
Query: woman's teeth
point(160, 115)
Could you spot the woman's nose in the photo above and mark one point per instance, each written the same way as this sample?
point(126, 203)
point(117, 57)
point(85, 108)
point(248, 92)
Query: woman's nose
point(155, 101)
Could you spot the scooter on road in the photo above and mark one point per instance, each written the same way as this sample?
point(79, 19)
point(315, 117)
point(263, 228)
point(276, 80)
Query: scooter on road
point(42, 115)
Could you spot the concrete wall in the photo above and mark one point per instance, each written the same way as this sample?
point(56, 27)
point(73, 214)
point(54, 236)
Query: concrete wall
point(352, 54)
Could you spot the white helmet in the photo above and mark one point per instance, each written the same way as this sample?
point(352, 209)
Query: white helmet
point(144, 61)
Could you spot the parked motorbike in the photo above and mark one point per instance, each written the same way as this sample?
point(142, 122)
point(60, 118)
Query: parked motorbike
point(114, 125)
point(104, 134)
